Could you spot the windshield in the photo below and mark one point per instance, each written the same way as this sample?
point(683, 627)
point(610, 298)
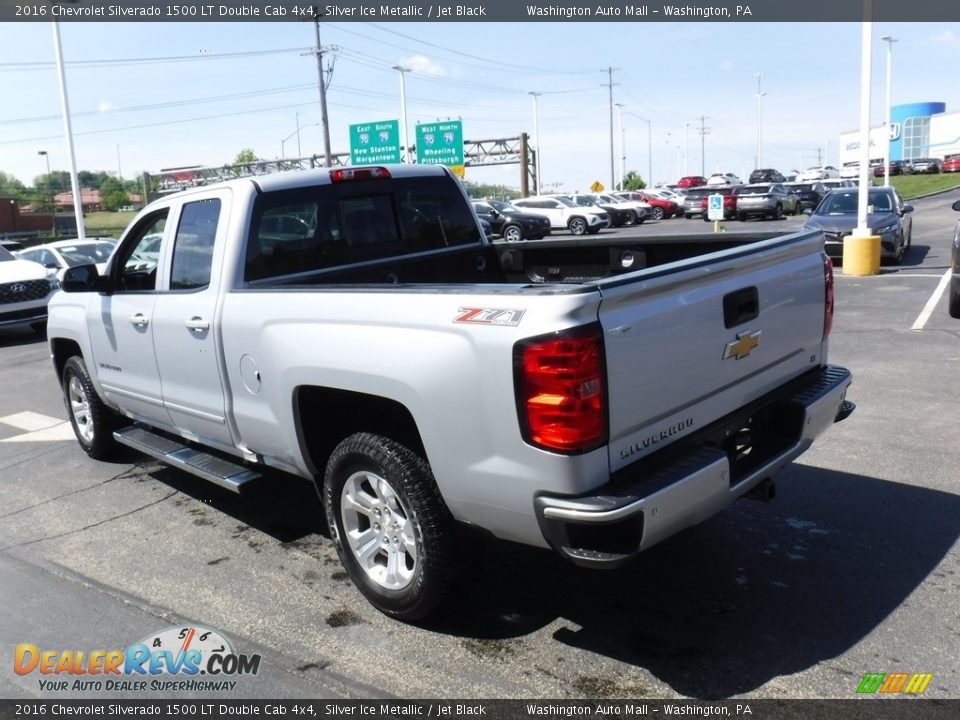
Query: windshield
point(844, 203)
point(565, 201)
point(5, 255)
point(86, 254)
point(584, 201)
point(503, 206)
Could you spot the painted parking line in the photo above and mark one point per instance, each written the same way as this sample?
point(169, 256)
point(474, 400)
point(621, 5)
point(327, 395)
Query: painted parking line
point(932, 302)
point(37, 427)
point(30, 421)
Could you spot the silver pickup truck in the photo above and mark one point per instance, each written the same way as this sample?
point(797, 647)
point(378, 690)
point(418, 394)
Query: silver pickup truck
point(353, 327)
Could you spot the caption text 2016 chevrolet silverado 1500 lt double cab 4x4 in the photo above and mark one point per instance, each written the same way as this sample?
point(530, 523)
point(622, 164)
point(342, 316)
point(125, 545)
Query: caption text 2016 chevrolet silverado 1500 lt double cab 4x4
point(353, 327)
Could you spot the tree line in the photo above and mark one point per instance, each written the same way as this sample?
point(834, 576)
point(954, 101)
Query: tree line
point(114, 193)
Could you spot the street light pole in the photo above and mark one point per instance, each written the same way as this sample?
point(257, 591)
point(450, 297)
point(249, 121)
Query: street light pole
point(886, 154)
point(760, 94)
point(68, 129)
point(623, 153)
point(536, 139)
point(53, 209)
point(403, 111)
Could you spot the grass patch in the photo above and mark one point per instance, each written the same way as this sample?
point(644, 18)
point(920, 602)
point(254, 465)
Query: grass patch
point(107, 223)
point(912, 186)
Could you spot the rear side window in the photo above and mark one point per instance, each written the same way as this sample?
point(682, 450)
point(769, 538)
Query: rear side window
point(328, 226)
point(193, 246)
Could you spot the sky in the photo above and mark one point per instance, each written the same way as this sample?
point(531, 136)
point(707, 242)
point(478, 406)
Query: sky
point(147, 96)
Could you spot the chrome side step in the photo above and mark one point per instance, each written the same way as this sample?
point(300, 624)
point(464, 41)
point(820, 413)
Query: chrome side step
point(213, 467)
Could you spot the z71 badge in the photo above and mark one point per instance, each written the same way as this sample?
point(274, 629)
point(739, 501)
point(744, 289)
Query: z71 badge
point(489, 316)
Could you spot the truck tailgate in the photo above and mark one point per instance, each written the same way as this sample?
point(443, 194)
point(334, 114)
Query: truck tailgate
point(689, 342)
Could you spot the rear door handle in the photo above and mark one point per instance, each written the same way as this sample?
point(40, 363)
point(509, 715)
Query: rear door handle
point(197, 324)
point(139, 320)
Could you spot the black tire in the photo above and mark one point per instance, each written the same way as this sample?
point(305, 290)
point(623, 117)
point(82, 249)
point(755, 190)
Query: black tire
point(900, 250)
point(954, 301)
point(93, 422)
point(398, 487)
point(741, 217)
point(512, 233)
point(629, 218)
point(577, 226)
point(778, 213)
point(656, 213)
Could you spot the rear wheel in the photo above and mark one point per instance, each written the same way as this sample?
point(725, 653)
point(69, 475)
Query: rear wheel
point(394, 534)
point(778, 213)
point(512, 233)
point(629, 218)
point(93, 422)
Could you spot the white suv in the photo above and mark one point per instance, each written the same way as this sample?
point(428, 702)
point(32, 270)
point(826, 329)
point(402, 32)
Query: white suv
point(25, 290)
point(564, 214)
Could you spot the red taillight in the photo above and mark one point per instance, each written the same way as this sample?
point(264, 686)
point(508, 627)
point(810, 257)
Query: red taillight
point(367, 173)
point(828, 295)
point(561, 398)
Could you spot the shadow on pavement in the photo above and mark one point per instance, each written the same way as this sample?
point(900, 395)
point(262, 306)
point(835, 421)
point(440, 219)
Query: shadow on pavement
point(755, 593)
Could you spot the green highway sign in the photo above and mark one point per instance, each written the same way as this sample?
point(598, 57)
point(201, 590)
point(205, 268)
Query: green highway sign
point(375, 143)
point(440, 143)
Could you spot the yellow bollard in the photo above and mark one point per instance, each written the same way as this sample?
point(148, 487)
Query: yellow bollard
point(861, 255)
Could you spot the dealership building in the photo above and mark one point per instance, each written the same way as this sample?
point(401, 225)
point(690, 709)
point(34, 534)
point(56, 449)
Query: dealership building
point(917, 130)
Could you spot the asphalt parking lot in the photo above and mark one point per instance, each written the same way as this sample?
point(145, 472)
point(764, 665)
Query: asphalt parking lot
point(854, 568)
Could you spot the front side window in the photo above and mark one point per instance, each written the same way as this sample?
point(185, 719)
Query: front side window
point(136, 263)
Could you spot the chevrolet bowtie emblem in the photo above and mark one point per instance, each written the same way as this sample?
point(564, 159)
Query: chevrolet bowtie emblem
point(743, 345)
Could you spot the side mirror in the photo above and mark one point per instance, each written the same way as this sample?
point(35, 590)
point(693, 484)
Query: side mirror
point(907, 209)
point(807, 211)
point(956, 205)
point(83, 278)
point(51, 265)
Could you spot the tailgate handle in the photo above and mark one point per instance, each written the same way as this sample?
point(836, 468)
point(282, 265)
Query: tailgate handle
point(740, 306)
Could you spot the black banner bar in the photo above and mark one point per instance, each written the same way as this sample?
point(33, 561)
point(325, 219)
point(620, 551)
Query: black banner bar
point(639, 709)
point(480, 11)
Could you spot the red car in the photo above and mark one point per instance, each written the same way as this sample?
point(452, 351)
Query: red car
point(951, 164)
point(660, 208)
point(729, 203)
point(691, 181)
point(897, 167)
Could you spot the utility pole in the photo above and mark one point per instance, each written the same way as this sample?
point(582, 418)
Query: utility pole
point(324, 120)
point(610, 85)
point(704, 131)
point(686, 148)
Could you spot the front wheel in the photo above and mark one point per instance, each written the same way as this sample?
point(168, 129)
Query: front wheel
point(512, 233)
point(657, 213)
point(393, 533)
point(954, 298)
point(629, 218)
point(577, 226)
point(778, 213)
point(93, 422)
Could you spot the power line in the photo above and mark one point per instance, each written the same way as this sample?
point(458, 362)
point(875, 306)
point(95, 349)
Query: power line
point(44, 65)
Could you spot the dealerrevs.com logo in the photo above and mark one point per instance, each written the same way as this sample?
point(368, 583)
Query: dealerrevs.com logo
point(894, 683)
point(173, 660)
